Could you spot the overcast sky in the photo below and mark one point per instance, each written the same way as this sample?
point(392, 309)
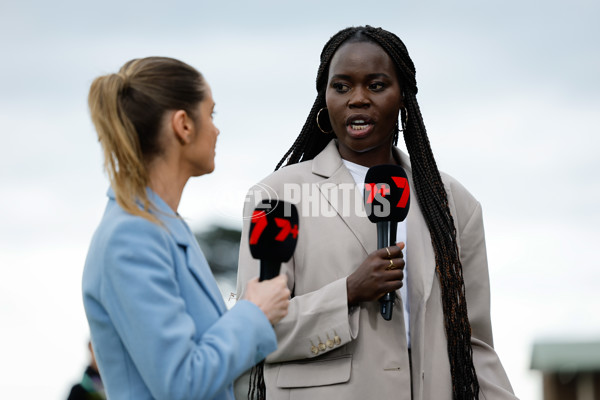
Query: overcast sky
point(509, 92)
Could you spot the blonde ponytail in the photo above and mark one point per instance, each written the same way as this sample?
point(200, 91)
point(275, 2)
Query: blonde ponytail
point(126, 109)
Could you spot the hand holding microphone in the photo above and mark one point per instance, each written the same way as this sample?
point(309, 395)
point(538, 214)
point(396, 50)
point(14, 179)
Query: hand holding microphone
point(387, 200)
point(271, 296)
point(377, 276)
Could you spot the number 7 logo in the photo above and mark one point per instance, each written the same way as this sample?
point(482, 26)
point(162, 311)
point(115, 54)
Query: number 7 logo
point(402, 183)
point(260, 222)
point(259, 219)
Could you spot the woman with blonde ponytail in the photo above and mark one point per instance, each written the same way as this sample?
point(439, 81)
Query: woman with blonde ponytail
point(159, 326)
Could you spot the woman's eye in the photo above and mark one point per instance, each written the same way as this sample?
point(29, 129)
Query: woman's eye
point(376, 86)
point(340, 87)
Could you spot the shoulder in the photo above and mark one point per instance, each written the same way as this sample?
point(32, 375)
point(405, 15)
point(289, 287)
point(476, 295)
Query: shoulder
point(118, 225)
point(123, 235)
point(323, 166)
point(463, 204)
point(274, 184)
point(291, 173)
point(455, 188)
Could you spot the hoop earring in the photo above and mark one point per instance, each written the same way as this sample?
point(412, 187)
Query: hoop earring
point(319, 125)
point(405, 121)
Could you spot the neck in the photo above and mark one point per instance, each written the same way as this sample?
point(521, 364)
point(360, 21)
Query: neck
point(167, 180)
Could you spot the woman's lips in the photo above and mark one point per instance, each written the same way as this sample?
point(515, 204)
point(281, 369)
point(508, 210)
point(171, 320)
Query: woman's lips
point(359, 126)
point(358, 131)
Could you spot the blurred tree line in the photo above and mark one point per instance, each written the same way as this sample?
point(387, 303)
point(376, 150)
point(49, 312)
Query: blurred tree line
point(221, 246)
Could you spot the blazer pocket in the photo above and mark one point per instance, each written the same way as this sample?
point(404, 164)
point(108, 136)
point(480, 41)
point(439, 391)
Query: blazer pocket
point(315, 372)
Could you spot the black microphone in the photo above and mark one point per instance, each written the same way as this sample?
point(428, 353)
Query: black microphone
point(273, 235)
point(387, 200)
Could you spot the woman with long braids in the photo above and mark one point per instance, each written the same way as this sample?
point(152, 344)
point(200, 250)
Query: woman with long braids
point(159, 326)
point(334, 342)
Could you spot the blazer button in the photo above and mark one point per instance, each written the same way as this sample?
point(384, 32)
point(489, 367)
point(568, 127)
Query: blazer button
point(314, 349)
point(322, 347)
point(329, 343)
point(337, 340)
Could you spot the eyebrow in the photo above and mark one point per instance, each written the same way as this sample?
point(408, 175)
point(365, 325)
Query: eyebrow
point(370, 76)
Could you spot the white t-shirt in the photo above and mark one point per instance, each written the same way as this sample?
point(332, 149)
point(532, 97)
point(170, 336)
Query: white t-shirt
point(359, 173)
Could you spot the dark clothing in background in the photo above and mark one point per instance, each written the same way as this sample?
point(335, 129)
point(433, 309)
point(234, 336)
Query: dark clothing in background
point(90, 387)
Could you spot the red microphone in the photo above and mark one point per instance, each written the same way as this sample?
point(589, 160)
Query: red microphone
point(273, 235)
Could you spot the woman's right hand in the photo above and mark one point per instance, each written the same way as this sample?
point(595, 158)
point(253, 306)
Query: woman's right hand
point(271, 296)
point(374, 278)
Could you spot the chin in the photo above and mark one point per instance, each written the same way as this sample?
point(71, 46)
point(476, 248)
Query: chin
point(367, 144)
point(362, 147)
point(206, 170)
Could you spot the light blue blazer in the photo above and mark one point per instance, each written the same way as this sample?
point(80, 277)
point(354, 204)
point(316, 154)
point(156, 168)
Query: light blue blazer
point(159, 325)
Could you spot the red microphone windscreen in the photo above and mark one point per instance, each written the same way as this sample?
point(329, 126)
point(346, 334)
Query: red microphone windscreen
point(274, 231)
point(387, 193)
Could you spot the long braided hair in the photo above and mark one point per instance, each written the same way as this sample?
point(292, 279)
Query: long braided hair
point(429, 188)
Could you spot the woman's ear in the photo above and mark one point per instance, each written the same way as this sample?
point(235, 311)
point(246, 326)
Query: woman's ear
point(182, 126)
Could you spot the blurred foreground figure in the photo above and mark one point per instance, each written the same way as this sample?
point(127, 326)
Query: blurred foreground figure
point(90, 387)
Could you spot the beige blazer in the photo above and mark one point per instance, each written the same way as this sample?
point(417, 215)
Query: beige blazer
point(328, 351)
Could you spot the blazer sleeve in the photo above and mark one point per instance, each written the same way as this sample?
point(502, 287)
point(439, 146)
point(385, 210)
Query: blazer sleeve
point(313, 318)
point(141, 295)
point(493, 381)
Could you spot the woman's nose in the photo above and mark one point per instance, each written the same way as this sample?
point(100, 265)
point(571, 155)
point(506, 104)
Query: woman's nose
point(359, 99)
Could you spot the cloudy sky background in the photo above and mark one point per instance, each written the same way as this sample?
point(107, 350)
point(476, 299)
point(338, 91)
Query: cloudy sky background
point(509, 92)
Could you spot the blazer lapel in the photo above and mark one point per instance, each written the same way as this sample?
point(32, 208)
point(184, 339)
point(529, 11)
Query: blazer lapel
point(196, 262)
point(418, 244)
point(421, 277)
point(199, 267)
point(420, 272)
point(347, 202)
point(420, 259)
